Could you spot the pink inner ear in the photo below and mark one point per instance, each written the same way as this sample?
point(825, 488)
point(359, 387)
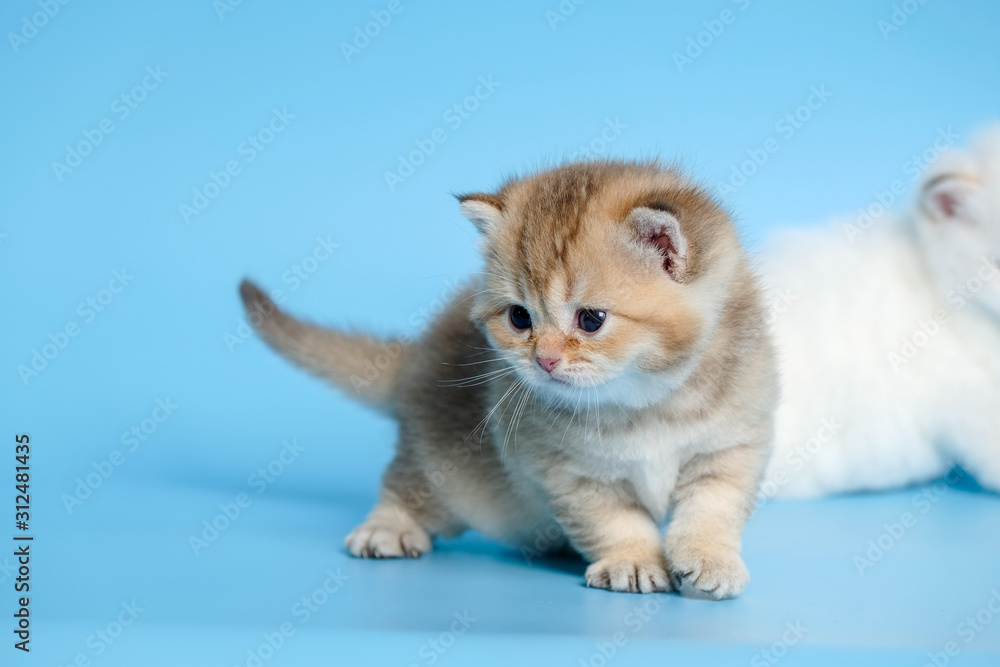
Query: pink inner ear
point(665, 245)
point(947, 202)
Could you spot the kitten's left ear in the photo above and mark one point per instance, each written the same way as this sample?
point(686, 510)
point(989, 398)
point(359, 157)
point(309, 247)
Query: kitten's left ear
point(484, 210)
point(952, 196)
point(659, 228)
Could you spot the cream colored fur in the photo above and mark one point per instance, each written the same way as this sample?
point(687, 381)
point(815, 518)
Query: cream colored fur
point(666, 409)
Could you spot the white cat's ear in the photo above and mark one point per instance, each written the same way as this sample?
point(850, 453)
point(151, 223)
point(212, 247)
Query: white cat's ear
point(485, 211)
point(952, 196)
point(659, 227)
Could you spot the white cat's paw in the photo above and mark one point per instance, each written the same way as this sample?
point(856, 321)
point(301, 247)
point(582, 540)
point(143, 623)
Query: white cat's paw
point(388, 540)
point(716, 574)
point(629, 574)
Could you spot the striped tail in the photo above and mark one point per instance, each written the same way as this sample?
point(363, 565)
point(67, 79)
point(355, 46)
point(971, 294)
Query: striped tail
point(364, 367)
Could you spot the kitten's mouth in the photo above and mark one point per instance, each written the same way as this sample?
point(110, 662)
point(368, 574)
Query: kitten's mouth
point(562, 380)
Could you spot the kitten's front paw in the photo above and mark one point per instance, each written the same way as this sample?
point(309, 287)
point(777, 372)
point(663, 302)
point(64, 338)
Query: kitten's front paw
point(387, 540)
point(700, 572)
point(629, 574)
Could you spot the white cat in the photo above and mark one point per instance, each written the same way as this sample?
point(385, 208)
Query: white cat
point(889, 339)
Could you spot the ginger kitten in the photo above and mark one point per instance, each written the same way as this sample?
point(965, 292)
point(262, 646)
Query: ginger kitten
point(610, 367)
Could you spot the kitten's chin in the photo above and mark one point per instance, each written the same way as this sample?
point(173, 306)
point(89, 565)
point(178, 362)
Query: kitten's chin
point(633, 390)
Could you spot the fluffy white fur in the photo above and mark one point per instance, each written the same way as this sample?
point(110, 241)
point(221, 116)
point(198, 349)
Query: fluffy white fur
point(889, 340)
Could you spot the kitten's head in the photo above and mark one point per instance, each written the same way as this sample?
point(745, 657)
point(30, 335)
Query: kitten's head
point(603, 280)
point(958, 221)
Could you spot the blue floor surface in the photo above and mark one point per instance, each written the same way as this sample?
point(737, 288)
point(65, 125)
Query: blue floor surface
point(834, 582)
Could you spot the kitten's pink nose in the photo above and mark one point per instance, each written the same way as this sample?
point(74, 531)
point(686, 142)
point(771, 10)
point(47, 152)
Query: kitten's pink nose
point(547, 364)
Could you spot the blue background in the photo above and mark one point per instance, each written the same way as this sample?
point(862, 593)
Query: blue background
point(399, 249)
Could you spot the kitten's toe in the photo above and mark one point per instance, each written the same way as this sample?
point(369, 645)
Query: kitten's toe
point(718, 574)
point(629, 574)
point(415, 543)
point(387, 541)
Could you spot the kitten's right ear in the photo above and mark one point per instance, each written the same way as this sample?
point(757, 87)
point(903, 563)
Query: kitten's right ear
point(951, 196)
point(484, 210)
point(659, 228)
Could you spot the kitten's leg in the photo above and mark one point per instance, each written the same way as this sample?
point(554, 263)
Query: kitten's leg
point(405, 519)
point(713, 498)
point(619, 538)
point(388, 532)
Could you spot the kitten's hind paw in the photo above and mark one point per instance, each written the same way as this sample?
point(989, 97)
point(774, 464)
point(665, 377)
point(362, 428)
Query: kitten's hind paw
point(629, 574)
point(388, 540)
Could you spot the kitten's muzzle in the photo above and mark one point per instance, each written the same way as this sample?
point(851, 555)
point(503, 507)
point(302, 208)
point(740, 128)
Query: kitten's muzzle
point(548, 364)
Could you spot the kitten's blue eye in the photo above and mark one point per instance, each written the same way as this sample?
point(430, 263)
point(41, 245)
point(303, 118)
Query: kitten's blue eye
point(520, 319)
point(590, 320)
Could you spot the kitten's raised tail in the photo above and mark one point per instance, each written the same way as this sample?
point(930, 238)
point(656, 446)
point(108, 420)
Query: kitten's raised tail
point(363, 366)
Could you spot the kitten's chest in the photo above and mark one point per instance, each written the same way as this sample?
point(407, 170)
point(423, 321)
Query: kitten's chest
point(648, 461)
point(654, 483)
